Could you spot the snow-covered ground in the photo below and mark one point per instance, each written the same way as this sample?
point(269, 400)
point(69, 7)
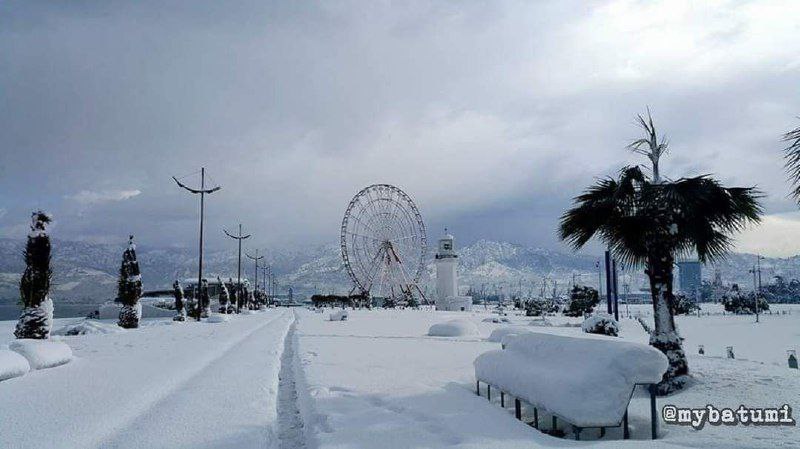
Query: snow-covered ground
point(294, 379)
point(164, 385)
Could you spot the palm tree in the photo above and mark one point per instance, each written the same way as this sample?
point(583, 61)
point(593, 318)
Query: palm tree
point(793, 160)
point(649, 221)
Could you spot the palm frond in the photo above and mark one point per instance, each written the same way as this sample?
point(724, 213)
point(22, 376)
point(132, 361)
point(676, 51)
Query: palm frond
point(792, 157)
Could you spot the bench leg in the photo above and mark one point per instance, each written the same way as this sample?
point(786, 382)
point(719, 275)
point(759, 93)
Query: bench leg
point(602, 432)
point(489, 392)
point(577, 432)
point(626, 432)
point(653, 412)
point(555, 423)
point(536, 417)
point(478, 387)
point(517, 408)
point(502, 399)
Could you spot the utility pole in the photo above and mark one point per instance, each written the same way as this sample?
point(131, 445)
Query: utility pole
point(239, 237)
point(757, 282)
point(608, 281)
point(255, 259)
point(202, 192)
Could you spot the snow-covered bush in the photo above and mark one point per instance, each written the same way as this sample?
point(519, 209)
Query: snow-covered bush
point(682, 305)
point(34, 286)
point(204, 300)
point(582, 300)
point(42, 354)
point(453, 328)
point(743, 303)
point(129, 288)
point(601, 324)
point(540, 306)
point(180, 308)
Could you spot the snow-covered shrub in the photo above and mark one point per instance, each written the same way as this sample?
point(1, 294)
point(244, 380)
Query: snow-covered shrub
point(129, 288)
point(582, 300)
point(743, 304)
point(682, 305)
point(540, 306)
point(34, 286)
point(42, 354)
point(453, 328)
point(204, 299)
point(180, 308)
point(12, 365)
point(601, 324)
point(496, 319)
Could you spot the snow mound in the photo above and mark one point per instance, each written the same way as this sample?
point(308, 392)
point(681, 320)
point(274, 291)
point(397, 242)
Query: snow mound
point(496, 320)
point(341, 315)
point(12, 364)
point(544, 322)
point(85, 327)
point(586, 380)
point(218, 318)
point(42, 353)
point(500, 333)
point(453, 328)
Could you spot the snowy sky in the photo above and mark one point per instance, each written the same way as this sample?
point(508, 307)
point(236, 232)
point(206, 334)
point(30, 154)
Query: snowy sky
point(491, 115)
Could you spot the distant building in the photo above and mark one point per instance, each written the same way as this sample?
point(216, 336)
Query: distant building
point(689, 277)
point(447, 297)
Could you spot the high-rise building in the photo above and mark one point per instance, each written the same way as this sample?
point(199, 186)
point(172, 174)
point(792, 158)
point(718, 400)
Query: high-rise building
point(689, 278)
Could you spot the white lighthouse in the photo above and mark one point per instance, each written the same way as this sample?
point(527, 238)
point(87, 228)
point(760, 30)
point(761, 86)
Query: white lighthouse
point(447, 297)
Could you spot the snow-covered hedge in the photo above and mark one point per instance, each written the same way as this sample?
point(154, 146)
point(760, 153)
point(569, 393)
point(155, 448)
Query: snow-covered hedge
point(601, 324)
point(12, 365)
point(42, 353)
point(453, 328)
point(586, 380)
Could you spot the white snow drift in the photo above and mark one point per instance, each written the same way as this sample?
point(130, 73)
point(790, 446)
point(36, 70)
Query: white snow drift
point(87, 327)
point(500, 333)
point(42, 353)
point(341, 315)
point(12, 364)
point(586, 380)
point(453, 328)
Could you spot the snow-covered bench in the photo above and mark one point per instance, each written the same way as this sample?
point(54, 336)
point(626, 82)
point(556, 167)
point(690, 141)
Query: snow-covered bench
point(587, 381)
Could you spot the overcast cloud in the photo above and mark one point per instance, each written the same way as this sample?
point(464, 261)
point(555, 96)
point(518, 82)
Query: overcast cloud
point(491, 115)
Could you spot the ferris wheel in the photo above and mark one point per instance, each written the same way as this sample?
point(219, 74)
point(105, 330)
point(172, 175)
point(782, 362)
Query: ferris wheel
point(383, 242)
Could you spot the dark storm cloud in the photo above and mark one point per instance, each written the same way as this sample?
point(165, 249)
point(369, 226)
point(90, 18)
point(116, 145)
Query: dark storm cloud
point(491, 115)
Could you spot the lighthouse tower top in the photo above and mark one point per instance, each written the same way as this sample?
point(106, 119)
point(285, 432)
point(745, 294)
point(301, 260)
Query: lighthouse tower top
point(446, 248)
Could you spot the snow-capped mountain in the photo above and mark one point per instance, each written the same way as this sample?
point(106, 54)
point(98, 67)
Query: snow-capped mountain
point(87, 272)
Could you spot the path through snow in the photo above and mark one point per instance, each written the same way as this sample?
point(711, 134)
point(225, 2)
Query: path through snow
point(290, 423)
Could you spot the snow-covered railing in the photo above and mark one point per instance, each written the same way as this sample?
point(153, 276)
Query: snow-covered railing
point(587, 381)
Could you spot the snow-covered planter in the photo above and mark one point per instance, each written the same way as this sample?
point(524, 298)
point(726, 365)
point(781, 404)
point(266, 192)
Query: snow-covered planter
point(12, 365)
point(601, 324)
point(454, 328)
point(340, 315)
point(586, 380)
point(42, 353)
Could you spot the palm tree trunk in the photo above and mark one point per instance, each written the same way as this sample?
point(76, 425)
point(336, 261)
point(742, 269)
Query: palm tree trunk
point(665, 336)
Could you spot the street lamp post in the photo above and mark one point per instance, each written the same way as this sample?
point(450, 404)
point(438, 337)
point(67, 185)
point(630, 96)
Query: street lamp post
point(239, 237)
point(202, 191)
point(255, 259)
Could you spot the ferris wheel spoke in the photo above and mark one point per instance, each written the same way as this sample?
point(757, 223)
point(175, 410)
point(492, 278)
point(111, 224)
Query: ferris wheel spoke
point(355, 234)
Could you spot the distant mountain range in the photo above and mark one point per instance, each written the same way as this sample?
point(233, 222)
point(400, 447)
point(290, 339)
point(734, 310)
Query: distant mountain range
point(87, 272)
